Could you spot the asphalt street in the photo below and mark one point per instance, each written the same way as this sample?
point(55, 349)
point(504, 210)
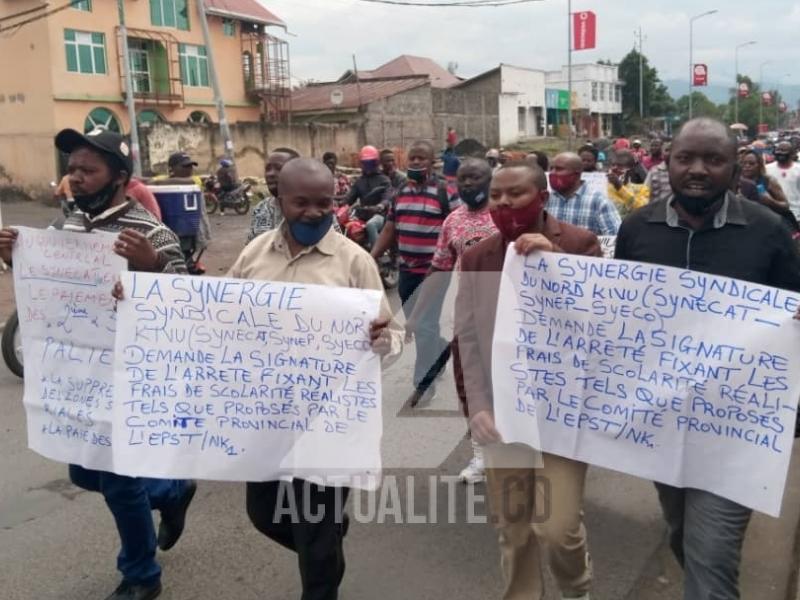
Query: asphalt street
point(58, 542)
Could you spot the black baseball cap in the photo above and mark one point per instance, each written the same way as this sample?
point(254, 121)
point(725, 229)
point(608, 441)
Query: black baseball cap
point(180, 158)
point(109, 142)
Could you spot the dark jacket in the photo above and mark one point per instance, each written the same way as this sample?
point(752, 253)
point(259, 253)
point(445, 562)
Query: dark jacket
point(364, 187)
point(752, 244)
point(476, 305)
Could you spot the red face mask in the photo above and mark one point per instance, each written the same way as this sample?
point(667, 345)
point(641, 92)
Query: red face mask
point(513, 222)
point(563, 182)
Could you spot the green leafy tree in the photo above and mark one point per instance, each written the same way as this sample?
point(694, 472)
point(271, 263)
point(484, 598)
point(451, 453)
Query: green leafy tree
point(701, 107)
point(749, 108)
point(657, 101)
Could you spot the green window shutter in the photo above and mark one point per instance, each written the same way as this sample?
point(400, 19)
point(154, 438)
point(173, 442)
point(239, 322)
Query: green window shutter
point(201, 50)
point(204, 72)
point(99, 38)
point(184, 71)
point(69, 35)
point(193, 79)
point(169, 13)
point(182, 14)
point(72, 58)
point(99, 60)
point(85, 59)
point(156, 15)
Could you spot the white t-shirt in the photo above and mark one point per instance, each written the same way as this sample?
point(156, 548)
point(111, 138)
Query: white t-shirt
point(790, 183)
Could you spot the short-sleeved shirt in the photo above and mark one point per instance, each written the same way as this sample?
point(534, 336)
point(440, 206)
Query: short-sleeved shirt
point(418, 218)
point(462, 229)
point(589, 209)
point(789, 180)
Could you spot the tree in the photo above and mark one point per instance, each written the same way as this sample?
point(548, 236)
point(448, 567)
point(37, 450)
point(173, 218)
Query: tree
point(657, 101)
point(701, 107)
point(749, 111)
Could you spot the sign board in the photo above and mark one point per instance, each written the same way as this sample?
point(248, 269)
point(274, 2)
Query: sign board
point(556, 99)
point(744, 90)
point(584, 27)
point(766, 99)
point(700, 75)
point(63, 282)
point(783, 107)
point(240, 380)
point(672, 375)
point(337, 97)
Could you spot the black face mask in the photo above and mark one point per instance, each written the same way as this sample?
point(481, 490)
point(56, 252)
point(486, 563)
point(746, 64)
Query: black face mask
point(417, 175)
point(782, 158)
point(94, 204)
point(474, 197)
point(696, 206)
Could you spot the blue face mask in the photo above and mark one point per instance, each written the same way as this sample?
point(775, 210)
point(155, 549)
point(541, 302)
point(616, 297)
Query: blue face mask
point(309, 233)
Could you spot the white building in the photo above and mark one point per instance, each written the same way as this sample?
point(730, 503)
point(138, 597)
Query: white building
point(520, 100)
point(596, 97)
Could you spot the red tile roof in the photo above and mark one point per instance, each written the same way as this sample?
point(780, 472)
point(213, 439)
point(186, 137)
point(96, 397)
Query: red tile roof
point(247, 10)
point(413, 65)
point(318, 97)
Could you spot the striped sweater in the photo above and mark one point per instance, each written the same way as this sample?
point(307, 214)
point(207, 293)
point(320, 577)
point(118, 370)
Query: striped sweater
point(131, 215)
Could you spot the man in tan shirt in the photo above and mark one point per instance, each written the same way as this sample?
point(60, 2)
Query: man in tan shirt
point(306, 249)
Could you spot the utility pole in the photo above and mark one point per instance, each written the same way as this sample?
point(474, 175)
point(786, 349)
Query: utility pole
point(691, 53)
point(640, 38)
point(736, 80)
point(212, 74)
point(130, 101)
point(761, 91)
point(569, 71)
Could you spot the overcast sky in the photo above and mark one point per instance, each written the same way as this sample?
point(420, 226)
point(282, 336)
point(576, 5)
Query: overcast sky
point(328, 32)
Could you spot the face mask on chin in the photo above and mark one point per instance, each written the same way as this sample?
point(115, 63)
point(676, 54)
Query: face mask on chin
point(96, 203)
point(417, 175)
point(697, 207)
point(474, 197)
point(308, 233)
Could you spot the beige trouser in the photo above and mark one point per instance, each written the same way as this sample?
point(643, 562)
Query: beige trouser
point(530, 505)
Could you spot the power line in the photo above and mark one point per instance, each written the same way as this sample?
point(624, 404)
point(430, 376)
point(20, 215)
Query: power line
point(37, 17)
point(24, 12)
point(455, 3)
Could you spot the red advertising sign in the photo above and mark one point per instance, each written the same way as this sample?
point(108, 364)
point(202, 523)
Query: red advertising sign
point(584, 27)
point(783, 107)
point(700, 75)
point(744, 90)
point(766, 99)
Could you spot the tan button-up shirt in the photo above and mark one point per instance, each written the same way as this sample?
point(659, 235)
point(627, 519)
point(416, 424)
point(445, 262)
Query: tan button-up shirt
point(333, 261)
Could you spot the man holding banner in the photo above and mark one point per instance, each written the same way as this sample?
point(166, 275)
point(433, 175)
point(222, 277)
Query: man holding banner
point(532, 496)
point(704, 227)
point(100, 167)
point(306, 249)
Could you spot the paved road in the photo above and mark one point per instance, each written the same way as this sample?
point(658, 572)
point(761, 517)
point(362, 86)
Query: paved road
point(57, 542)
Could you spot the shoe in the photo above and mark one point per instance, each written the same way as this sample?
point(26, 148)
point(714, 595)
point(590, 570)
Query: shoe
point(222, 213)
point(134, 591)
point(173, 519)
point(473, 473)
point(422, 398)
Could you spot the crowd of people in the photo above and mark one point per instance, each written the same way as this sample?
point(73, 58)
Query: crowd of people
point(684, 203)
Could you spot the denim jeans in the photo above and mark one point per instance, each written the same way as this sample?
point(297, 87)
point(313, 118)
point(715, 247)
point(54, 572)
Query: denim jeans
point(131, 500)
point(706, 536)
point(373, 228)
point(433, 351)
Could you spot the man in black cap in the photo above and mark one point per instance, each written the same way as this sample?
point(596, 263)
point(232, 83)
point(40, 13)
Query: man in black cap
point(99, 168)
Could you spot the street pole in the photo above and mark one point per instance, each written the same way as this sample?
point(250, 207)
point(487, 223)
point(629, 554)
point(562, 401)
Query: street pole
point(130, 101)
point(691, 54)
point(777, 103)
point(212, 75)
point(736, 80)
point(761, 90)
point(641, 76)
point(569, 71)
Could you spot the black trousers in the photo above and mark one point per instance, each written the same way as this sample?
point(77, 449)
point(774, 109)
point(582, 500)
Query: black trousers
point(306, 519)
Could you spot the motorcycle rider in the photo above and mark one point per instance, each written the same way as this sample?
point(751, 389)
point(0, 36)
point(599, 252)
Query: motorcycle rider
point(373, 191)
point(227, 180)
point(389, 168)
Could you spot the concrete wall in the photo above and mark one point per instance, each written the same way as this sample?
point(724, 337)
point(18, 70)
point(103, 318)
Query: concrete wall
point(27, 156)
point(399, 120)
point(251, 140)
point(522, 93)
point(471, 112)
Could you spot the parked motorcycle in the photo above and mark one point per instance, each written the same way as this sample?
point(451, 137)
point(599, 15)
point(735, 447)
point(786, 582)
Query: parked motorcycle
point(215, 197)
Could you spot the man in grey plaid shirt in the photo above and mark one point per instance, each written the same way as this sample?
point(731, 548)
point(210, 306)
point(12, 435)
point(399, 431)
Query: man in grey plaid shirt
point(573, 201)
